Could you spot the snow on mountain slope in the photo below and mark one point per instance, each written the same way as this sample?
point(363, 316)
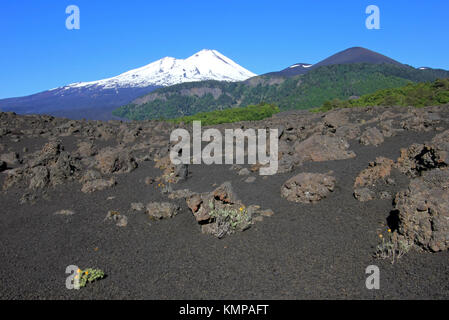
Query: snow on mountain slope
point(96, 99)
point(294, 70)
point(204, 65)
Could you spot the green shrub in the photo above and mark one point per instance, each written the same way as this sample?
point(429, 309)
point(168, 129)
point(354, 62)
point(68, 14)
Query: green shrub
point(413, 94)
point(392, 247)
point(231, 218)
point(249, 113)
point(89, 275)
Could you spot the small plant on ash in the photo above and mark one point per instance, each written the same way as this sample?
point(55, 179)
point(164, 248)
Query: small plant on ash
point(89, 275)
point(231, 219)
point(391, 246)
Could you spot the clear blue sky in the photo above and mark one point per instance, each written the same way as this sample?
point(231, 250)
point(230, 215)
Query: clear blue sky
point(38, 52)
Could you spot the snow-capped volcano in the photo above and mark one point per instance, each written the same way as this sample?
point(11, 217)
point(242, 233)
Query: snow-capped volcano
point(204, 65)
point(96, 99)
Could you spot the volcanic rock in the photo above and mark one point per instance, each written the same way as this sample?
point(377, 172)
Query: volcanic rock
point(372, 136)
point(98, 185)
point(161, 210)
point(423, 210)
point(220, 212)
point(323, 148)
point(11, 158)
point(308, 187)
point(115, 160)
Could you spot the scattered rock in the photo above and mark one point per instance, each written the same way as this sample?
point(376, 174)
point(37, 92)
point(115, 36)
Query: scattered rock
point(377, 170)
point(90, 175)
point(286, 163)
point(308, 187)
point(13, 177)
point(28, 198)
point(322, 148)
point(250, 179)
point(98, 185)
point(442, 140)
point(418, 120)
point(372, 136)
point(364, 194)
point(180, 194)
point(86, 149)
point(121, 220)
point(244, 172)
point(48, 155)
point(335, 118)
point(51, 166)
point(423, 211)
point(349, 131)
point(40, 177)
point(115, 160)
point(4, 131)
point(137, 206)
point(149, 181)
point(387, 128)
point(421, 157)
point(385, 195)
point(63, 169)
point(266, 213)
point(235, 167)
point(171, 173)
point(65, 212)
point(161, 210)
point(253, 209)
point(11, 158)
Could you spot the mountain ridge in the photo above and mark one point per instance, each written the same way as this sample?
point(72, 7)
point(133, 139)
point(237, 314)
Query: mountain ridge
point(102, 96)
point(347, 56)
point(360, 71)
point(170, 71)
point(356, 55)
point(208, 80)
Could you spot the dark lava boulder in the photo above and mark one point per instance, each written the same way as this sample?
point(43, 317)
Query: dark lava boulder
point(377, 172)
point(421, 157)
point(161, 210)
point(51, 166)
point(372, 136)
point(322, 148)
point(11, 158)
point(115, 160)
point(423, 211)
point(308, 187)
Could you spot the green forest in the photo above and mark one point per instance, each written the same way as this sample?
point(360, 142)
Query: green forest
point(413, 94)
